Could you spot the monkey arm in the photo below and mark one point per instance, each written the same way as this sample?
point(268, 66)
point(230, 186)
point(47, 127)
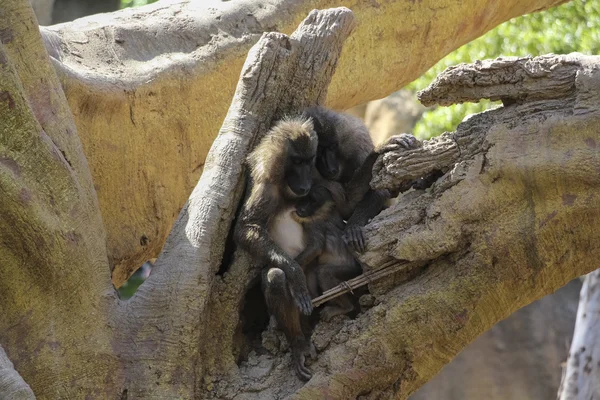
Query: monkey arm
point(358, 187)
point(371, 205)
point(314, 246)
point(252, 235)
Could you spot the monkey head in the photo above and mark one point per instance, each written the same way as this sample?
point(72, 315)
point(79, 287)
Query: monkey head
point(327, 161)
point(286, 157)
point(300, 160)
point(315, 206)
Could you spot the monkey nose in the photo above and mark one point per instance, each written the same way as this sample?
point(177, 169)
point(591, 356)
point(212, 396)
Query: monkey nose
point(303, 191)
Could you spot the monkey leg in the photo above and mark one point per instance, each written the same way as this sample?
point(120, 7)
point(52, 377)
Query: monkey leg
point(295, 326)
point(330, 276)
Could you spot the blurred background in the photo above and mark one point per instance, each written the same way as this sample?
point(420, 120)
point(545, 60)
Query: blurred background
point(522, 356)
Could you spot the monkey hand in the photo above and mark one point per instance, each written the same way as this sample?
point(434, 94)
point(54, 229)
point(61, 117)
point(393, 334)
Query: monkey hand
point(401, 141)
point(300, 350)
point(299, 289)
point(354, 236)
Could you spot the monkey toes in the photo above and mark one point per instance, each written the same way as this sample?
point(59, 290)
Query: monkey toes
point(300, 351)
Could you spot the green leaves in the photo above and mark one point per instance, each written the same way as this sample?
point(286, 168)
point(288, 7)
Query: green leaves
point(571, 27)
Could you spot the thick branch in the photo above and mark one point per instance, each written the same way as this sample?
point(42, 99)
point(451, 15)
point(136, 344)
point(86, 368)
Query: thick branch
point(581, 378)
point(55, 291)
point(514, 218)
point(149, 88)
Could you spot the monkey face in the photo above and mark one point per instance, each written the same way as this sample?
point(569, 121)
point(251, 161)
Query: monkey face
point(309, 205)
point(327, 161)
point(298, 169)
point(327, 151)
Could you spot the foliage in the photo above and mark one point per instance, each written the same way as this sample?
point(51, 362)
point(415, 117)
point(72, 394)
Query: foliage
point(571, 27)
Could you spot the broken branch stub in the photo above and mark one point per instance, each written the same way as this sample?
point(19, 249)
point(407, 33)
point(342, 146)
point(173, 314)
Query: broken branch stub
point(510, 79)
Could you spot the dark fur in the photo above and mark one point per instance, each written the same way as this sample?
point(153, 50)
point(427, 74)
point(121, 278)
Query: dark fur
point(345, 142)
point(280, 166)
point(326, 257)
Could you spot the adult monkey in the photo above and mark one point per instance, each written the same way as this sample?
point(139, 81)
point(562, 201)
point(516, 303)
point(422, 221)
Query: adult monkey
point(346, 154)
point(281, 168)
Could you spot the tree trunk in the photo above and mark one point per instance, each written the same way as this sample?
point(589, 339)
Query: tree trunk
point(581, 379)
point(149, 88)
point(512, 219)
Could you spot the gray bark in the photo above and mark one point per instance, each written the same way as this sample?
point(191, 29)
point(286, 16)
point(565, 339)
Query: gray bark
point(581, 378)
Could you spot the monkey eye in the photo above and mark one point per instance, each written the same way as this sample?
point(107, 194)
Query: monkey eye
point(297, 161)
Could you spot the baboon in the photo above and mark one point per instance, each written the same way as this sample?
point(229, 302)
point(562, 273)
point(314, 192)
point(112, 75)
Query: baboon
point(346, 155)
point(326, 258)
point(281, 168)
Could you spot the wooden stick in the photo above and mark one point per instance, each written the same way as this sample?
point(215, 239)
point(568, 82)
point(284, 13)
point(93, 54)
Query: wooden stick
point(359, 281)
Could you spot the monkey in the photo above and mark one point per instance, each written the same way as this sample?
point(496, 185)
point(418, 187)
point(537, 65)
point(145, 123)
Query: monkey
point(281, 172)
point(326, 257)
point(346, 154)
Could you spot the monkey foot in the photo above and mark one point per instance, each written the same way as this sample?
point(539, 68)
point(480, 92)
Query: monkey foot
point(300, 351)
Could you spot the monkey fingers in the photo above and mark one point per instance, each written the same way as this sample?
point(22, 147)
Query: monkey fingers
point(299, 290)
point(403, 141)
point(303, 301)
point(354, 236)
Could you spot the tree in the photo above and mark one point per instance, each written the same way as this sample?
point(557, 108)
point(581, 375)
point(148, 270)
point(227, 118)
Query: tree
point(518, 236)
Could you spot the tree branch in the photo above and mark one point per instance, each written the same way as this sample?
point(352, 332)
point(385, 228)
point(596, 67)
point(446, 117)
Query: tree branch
point(513, 218)
point(55, 286)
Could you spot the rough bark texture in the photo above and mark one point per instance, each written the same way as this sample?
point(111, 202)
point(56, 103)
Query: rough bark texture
point(513, 219)
point(149, 88)
point(56, 295)
point(581, 379)
point(518, 358)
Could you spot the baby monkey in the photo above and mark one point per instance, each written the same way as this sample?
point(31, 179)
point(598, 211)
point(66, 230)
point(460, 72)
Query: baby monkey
point(326, 259)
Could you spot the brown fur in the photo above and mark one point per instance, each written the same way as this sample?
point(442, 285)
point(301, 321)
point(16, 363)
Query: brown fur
point(267, 210)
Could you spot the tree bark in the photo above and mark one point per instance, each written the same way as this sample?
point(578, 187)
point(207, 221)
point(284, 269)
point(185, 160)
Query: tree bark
point(55, 292)
point(581, 378)
point(513, 218)
point(149, 88)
